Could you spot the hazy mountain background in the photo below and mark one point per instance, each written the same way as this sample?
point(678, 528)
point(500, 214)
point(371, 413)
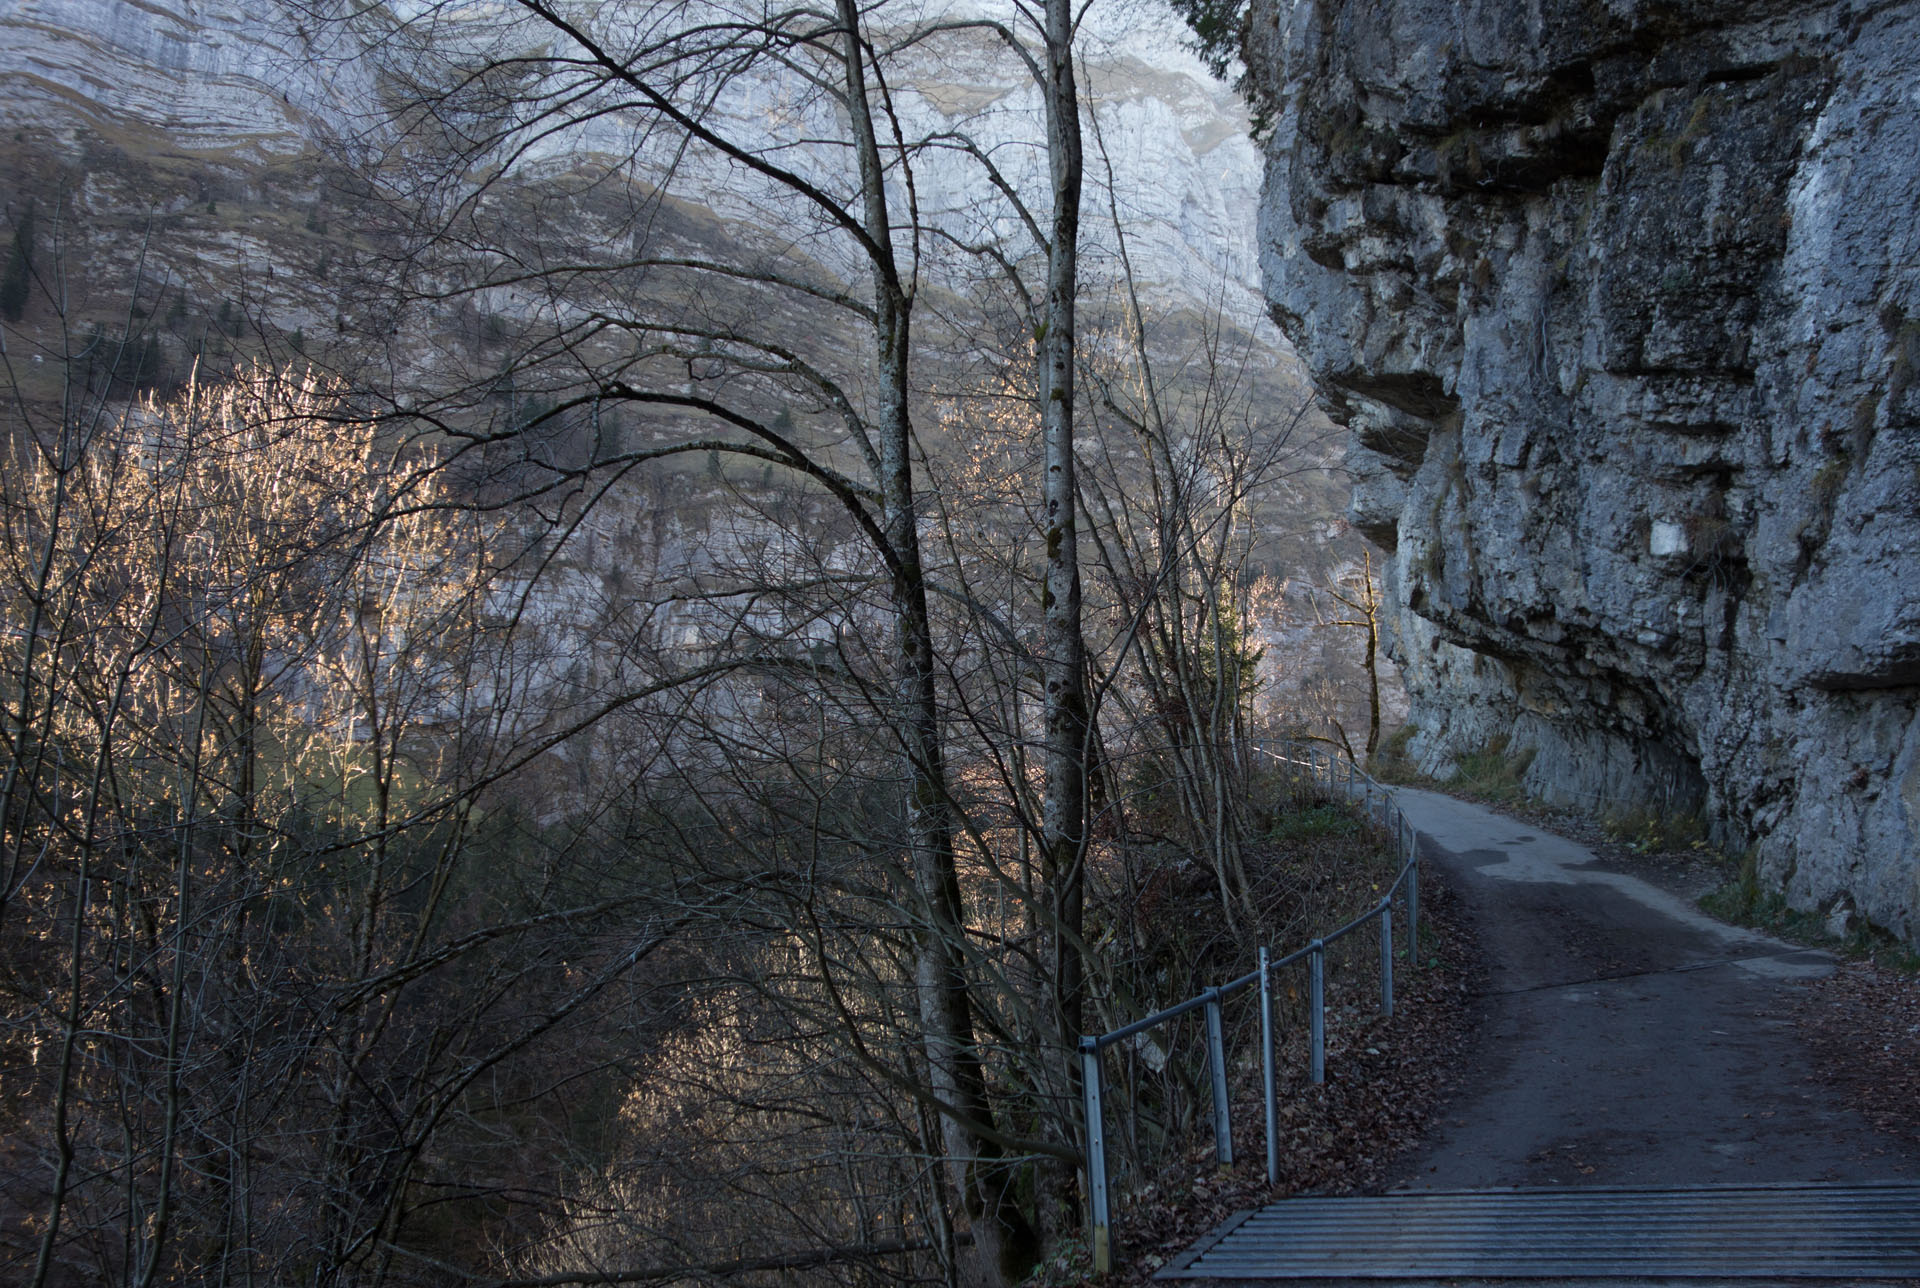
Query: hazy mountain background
point(198, 173)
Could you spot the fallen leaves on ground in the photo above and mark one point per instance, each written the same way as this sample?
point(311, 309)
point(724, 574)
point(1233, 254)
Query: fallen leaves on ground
point(1385, 1078)
point(1863, 1026)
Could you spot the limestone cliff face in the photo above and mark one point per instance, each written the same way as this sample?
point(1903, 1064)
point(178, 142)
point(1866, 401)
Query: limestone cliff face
point(1621, 302)
point(219, 99)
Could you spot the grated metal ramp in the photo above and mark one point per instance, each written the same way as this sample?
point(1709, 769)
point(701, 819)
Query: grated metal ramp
point(1771, 1232)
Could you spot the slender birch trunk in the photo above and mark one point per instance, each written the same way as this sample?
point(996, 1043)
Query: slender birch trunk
point(1064, 815)
point(1068, 742)
point(1004, 1246)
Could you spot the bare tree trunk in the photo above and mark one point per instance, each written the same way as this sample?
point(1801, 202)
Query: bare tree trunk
point(1063, 843)
point(1371, 599)
point(1063, 821)
point(1004, 1245)
point(1363, 602)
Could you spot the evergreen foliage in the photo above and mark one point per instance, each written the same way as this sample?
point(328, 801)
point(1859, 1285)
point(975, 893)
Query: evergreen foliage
point(1220, 34)
point(1216, 28)
point(17, 279)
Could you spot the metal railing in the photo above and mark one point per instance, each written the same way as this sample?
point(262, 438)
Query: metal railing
point(1341, 777)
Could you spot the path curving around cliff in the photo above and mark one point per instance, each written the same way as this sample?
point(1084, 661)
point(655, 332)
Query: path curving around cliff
point(1626, 1038)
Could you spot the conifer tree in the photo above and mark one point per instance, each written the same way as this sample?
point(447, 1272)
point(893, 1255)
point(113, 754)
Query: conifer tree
point(14, 283)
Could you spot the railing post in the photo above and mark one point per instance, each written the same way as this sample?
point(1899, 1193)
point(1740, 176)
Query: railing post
point(1099, 1219)
point(1217, 1060)
point(1413, 907)
point(1381, 804)
point(1266, 1070)
point(1317, 1012)
point(1386, 956)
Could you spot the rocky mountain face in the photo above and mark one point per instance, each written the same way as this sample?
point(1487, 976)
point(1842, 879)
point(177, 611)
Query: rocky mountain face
point(191, 163)
point(1620, 300)
point(165, 107)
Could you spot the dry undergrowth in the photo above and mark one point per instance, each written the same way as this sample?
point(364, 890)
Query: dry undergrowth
point(1384, 1076)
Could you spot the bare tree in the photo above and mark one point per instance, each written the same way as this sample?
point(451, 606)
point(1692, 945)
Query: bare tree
point(266, 973)
point(1175, 543)
point(406, 802)
point(1068, 718)
point(700, 340)
point(1359, 596)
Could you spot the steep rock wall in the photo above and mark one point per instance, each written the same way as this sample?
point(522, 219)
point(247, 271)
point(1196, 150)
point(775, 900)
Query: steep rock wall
point(1621, 303)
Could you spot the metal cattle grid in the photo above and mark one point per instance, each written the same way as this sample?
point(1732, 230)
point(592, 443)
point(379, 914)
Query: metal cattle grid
point(1640, 1234)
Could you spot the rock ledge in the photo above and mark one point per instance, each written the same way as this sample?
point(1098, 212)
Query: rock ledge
point(1620, 301)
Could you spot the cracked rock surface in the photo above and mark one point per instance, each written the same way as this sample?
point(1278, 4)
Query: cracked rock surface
point(1620, 301)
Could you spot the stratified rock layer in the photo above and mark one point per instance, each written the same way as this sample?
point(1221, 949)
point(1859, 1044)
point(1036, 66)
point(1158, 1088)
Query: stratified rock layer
point(1621, 302)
